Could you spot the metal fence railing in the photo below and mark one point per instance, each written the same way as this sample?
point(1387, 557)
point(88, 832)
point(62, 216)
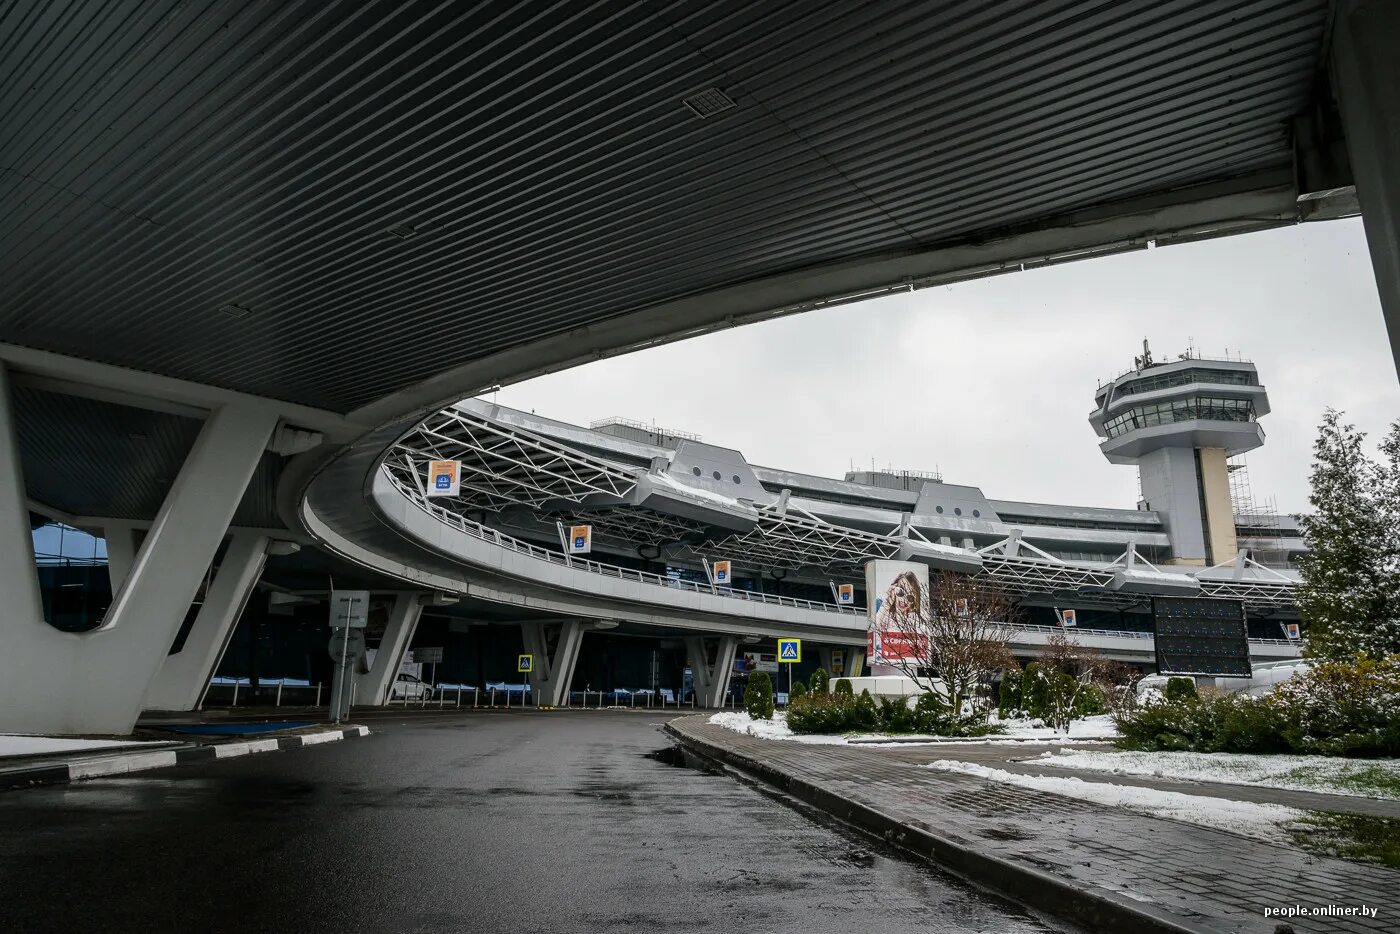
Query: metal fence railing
point(494, 536)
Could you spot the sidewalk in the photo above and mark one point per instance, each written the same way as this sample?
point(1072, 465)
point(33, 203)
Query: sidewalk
point(27, 770)
point(1106, 868)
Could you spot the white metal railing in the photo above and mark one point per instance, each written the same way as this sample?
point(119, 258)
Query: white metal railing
point(494, 536)
point(1119, 633)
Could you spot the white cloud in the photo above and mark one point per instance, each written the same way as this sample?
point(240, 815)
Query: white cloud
point(992, 380)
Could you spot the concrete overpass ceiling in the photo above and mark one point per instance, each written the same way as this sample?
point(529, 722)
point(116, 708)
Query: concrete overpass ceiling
point(329, 202)
point(88, 457)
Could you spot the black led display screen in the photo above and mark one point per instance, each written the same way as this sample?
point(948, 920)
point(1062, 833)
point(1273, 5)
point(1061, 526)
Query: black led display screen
point(1200, 637)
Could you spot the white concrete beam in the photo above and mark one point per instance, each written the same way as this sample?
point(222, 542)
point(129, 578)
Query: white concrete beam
point(184, 676)
point(95, 682)
point(372, 687)
point(73, 376)
point(1366, 75)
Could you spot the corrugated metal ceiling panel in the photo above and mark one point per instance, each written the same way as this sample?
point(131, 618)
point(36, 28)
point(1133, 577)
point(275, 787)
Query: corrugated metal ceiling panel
point(92, 458)
point(163, 159)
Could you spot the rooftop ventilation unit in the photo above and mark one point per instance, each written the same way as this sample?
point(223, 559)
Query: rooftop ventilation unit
point(708, 103)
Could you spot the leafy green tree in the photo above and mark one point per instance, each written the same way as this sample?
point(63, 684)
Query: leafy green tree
point(758, 696)
point(1010, 697)
point(1349, 595)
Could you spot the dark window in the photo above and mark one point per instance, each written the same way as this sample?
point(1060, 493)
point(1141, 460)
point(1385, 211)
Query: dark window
point(957, 510)
point(716, 475)
point(736, 479)
point(695, 470)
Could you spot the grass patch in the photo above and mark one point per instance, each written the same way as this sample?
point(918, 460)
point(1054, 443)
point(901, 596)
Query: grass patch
point(1357, 837)
point(1373, 781)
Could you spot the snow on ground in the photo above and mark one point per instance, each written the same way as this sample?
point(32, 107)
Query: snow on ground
point(1296, 773)
point(1261, 821)
point(11, 745)
point(1091, 729)
point(1097, 728)
point(777, 728)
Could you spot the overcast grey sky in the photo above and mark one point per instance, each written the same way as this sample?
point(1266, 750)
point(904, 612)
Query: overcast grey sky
point(992, 381)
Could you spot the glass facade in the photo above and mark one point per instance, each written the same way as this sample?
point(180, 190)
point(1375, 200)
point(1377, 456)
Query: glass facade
point(1211, 408)
point(73, 579)
point(1185, 377)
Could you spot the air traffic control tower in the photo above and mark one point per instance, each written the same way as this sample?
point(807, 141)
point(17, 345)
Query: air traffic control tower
point(1178, 422)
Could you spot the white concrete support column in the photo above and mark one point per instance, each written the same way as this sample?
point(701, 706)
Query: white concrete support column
point(95, 682)
point(372, 687)
point(1366, 76)
point(855, 661)
point(851, 668)
point(553, 671)
point(21, 604)
point(711, 680)
point(184, 676)
point(123, 541)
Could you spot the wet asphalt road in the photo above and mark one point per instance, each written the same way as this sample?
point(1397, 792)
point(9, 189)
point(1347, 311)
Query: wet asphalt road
point(479, 822)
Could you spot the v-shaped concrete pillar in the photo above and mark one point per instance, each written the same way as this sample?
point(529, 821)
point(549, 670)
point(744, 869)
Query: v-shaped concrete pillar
point(372, 687)
point(95, 682)
point(553, 670)
point(184, 676)
point(711, 679)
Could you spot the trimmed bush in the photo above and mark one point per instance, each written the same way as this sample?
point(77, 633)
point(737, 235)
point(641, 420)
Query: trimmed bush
point(1180, 689)
point(896, 717)
point(1334, 709)
point(1010, 697)
point(758, 696)
point(843, 686)
point(819, 681)
point(1035, 692)
point(864, 715)
point(798, 689)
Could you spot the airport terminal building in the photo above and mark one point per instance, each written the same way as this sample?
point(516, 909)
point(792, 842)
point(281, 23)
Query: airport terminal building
point(647, 609)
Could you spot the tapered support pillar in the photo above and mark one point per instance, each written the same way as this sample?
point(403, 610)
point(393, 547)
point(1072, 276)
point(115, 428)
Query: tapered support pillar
point(184, 676)
point(123, 541)
point(372, 687)
point(1366, 75)
point(711, 678)
point(853, 661)
point(554, 670)
point(95, 682)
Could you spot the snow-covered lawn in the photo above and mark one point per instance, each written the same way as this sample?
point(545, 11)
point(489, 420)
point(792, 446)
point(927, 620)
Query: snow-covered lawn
point(777, 728)
point(1090, 729)
point(1377, 778)
point(1261, 821)
point(12, 745)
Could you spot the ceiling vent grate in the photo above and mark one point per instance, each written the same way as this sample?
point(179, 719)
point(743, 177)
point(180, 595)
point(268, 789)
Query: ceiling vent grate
point(402, 231)
point(235, 311)
point(708, 103)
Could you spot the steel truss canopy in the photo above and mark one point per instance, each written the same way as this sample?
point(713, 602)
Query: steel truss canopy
point(332, 202)
point(526, 480)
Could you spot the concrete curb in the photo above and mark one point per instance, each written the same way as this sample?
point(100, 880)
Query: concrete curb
point(1095, 909)
point(99, 766)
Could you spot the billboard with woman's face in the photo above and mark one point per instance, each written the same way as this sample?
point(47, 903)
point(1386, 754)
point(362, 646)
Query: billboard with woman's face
point(897, 609)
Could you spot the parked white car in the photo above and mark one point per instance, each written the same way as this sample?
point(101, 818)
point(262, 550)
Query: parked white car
point(407, 687)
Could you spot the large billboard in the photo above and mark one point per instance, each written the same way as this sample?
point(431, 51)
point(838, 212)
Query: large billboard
point(1204, 637)
point(897, 610)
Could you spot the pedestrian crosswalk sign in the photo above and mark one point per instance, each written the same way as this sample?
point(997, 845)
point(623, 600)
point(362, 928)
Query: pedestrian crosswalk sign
point(789, 650)
point(525, 663)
